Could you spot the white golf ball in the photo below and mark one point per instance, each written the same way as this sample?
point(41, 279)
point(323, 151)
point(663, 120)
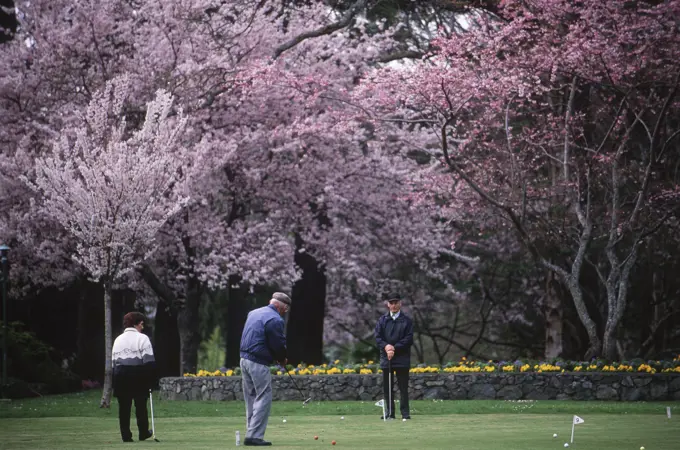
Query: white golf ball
point(566, 444)
point(642, 448)
point(342, 418)
point(555, 435)
point(284, 420)
point(403, 420)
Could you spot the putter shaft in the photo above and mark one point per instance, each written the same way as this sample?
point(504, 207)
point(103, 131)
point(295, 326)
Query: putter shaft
point(305, 400)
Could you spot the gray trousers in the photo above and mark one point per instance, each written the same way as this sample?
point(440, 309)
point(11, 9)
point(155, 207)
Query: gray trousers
point(257, 392)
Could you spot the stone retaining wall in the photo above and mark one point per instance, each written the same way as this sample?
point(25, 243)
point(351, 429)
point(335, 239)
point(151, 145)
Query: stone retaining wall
point(446, 386)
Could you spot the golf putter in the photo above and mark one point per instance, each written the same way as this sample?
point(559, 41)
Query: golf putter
point(153, 427)
point(389, 365)
point(296, 386)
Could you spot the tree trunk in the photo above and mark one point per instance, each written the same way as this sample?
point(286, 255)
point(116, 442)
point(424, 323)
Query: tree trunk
point(553, 318)
point(617, 295)
point(609, 341)
point(166, 341)
point(8, 20)
point(614, 316)
point(90, 338)
point(238, 307)
point(305, 327)
point(187, 323)
point(572, 278)
point(167, 349)
point(122, 302)
point(576, 292)
point(108, 343)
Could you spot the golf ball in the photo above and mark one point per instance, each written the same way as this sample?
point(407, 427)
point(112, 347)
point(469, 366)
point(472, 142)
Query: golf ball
point(332, 442)
point(403, 420)
point(342, 418)
point(284, 420)
point(555, 435)
point(566, 444)
point(642, 448)
point(316, 438)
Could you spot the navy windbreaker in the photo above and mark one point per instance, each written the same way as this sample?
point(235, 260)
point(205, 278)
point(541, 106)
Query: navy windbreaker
point(398, 333)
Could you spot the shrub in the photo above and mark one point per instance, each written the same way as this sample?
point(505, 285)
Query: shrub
point(34, 366)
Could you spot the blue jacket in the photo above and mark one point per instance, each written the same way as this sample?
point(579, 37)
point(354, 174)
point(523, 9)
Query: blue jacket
point(398, 333)
point(263, 340)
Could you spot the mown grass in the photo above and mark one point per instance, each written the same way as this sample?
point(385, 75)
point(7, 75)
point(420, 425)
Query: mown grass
point(76, 422)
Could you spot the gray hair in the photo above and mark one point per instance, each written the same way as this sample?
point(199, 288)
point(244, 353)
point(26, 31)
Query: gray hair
point(281, 297)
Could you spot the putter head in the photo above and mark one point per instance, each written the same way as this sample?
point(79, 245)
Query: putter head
point(306, 401)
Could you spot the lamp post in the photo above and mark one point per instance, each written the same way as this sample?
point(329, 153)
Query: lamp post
point(4, 265)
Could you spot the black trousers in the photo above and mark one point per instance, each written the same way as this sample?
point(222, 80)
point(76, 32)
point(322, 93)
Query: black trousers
point(124, 407)
point(402, 382)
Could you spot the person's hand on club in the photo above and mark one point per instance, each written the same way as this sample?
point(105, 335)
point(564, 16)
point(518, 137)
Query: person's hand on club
point(389, 349)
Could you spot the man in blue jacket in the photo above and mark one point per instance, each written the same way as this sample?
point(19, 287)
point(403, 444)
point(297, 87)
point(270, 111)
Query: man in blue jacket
point(394, 335)
point(263, 342)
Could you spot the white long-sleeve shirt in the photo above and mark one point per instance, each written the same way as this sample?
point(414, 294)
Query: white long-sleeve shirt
point(132, 348)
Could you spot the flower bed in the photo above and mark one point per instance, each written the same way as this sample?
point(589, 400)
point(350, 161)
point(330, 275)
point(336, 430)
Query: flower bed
point(517, 380)
point(465, 366)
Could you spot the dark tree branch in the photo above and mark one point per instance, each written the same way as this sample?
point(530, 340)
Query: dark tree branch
point(344, 21)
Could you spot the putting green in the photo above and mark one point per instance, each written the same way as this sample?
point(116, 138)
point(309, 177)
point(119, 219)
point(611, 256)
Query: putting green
point(456, 431)
point(75, 421)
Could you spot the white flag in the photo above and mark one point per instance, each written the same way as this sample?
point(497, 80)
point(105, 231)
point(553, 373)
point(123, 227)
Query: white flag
point(380, 403)
point(578, 420)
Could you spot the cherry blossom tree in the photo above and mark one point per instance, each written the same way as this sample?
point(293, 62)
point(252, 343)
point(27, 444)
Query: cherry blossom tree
point(288, 144)
point(560, 117)
point(42, 87)
point(113, 190)
point(273, 144)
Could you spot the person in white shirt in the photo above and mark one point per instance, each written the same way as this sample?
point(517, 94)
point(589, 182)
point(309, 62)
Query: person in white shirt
point(134, 375)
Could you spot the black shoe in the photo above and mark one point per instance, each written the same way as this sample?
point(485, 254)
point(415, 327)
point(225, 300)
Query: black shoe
point(256, 442)
point(128, 439)
point(146, 436)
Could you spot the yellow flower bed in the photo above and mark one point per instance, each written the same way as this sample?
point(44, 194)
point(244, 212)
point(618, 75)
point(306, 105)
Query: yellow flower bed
point(458, 369)
point(424, 370)
point(206, 373)
point(469, 366)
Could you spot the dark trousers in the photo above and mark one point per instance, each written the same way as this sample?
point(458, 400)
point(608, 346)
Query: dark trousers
point(402, 382)
point(124, 407)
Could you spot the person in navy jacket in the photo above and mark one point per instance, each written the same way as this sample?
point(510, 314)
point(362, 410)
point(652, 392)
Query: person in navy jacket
point(394, 336)
point(263, 341)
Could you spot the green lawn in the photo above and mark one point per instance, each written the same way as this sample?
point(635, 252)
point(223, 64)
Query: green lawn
point(75, 422)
